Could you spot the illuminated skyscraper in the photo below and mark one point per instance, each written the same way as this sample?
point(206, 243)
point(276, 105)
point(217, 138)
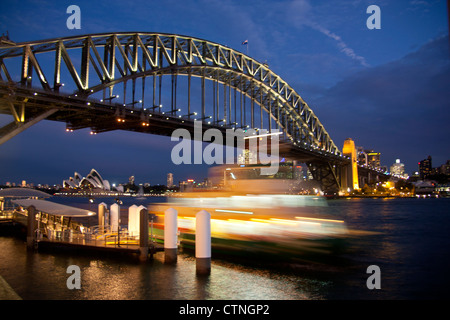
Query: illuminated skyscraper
point(425, 168)
point(445, 168)
point(368, 157)
point(247, 157)
point(169, 180)
point(373, 159)
point(361, 156)
point(398, 168)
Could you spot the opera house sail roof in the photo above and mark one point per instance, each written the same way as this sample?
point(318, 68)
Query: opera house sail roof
point(92, 181)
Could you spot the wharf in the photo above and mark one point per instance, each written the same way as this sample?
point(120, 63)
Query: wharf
point(93, 247)
point(6, 292)
point(73, 240)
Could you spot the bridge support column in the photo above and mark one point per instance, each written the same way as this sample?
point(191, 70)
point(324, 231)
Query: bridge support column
point(31, 228)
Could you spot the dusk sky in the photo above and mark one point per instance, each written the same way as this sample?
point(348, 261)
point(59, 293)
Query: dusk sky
point(388, 89)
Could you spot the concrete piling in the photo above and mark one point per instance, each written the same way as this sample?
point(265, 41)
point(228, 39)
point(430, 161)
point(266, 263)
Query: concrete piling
point(143, 234)
point(170, 235)
point(203, 242)
point(114, 217)
point(133, 220)
point(102, 214)
point(31, 234)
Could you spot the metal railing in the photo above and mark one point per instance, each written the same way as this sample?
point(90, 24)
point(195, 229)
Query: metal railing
point(106, 239)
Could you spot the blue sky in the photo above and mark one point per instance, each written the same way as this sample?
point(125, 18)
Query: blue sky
point(388, 89)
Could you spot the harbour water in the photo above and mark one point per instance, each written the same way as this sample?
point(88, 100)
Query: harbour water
point(410, 244)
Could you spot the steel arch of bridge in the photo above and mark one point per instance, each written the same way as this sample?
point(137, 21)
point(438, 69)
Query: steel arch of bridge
point(103, 61)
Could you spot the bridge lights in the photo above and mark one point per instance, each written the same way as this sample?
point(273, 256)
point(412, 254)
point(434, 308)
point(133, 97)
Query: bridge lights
point(110, 98)
point(119, 118)
point(190, 114)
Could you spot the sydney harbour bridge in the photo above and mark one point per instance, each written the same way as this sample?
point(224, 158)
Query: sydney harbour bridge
point(155, 83)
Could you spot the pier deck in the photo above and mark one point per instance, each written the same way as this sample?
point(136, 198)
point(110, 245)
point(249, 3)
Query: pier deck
point(110, 243)
point(91, 246)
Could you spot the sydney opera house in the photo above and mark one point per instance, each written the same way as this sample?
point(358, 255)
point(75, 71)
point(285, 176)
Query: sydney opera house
point(92, 181)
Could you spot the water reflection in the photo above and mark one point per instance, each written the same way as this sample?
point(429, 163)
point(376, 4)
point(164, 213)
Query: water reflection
point(411, 248)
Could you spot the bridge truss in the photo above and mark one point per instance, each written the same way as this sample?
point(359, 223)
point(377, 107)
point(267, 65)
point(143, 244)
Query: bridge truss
point(153, 82)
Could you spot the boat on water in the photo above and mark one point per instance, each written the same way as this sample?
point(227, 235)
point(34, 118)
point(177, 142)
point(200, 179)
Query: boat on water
point(254, 216)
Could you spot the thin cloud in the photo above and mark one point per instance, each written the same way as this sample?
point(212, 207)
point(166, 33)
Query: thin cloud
point(303, 10)
point(343, 47)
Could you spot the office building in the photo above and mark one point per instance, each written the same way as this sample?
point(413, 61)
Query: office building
point(398, 168)
point(425, 168)
point(169, 180)
point(373, 159)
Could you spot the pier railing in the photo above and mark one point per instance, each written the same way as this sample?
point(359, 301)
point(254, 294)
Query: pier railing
point(89, 237)
point(98, 236)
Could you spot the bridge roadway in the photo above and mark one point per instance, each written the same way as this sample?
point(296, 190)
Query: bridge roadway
point(101, 117)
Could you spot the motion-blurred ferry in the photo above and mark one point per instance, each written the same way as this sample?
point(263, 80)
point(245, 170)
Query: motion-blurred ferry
point(254, 214)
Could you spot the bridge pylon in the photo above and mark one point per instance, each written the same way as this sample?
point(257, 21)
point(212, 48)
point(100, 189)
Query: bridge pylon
point(349, 172)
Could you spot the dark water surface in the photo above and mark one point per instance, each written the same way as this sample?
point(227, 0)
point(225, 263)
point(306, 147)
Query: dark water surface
point(411, 246)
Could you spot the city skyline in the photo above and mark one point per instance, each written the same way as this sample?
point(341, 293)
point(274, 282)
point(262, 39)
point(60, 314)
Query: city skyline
point(386, 89)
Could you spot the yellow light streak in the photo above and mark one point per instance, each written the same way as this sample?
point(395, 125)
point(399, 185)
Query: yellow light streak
point(233, 211)
point(318, 219)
